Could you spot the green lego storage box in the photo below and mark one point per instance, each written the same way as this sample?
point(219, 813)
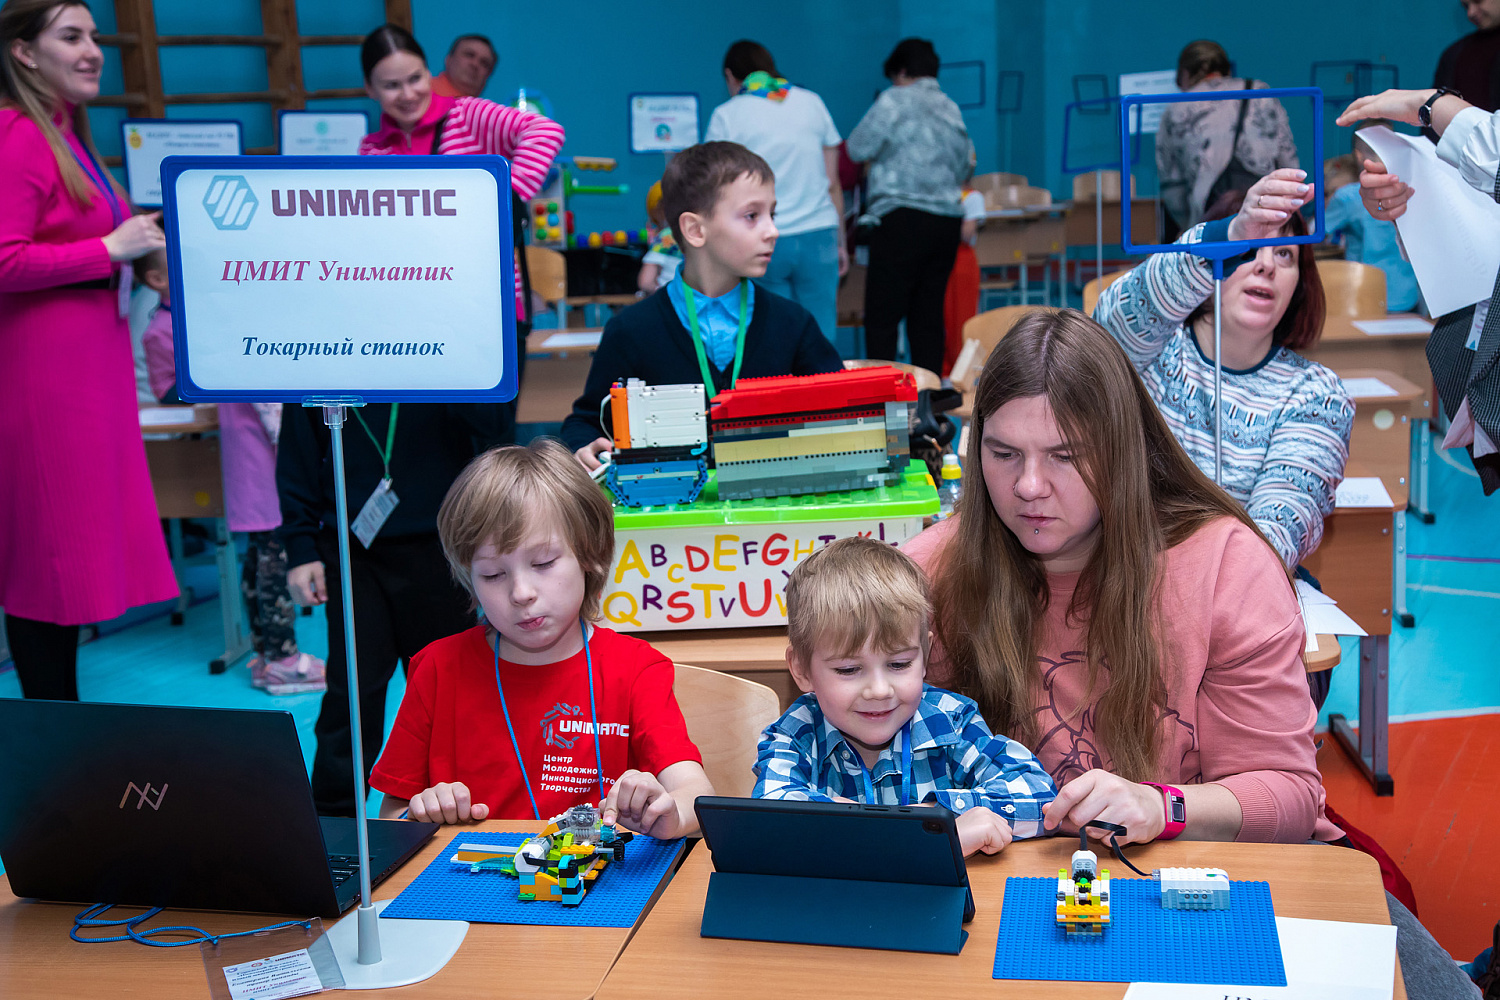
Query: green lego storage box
point(724, 563)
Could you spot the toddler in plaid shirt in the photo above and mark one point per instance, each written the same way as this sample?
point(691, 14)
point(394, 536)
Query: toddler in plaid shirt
point(868, 728)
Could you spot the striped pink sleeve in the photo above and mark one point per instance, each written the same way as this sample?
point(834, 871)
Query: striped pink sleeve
point(530, 141)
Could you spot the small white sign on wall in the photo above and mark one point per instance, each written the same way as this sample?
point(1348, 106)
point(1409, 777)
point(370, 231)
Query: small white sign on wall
point(386, 278)
point(322, 133)
point(663, 123)
point(148, 141)
point(1162, 81)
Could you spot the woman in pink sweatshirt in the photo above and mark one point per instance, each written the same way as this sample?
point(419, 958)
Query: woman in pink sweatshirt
point(1116, 612)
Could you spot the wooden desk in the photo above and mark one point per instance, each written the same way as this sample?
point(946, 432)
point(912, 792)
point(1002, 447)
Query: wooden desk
point(1362, 563)
point(1080, 224)
point(37, 959)
point(668, 959)
point(923, 377)
point(188, 481)
point(1015, 241)
point(554, 378)
point(1345, 347)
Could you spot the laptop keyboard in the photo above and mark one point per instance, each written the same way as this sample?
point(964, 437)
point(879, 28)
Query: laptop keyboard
point(342, 867)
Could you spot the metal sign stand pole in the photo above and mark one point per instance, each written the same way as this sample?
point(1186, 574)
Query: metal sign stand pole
point(418, 948)
point(1099, 224)
point(1218, 371)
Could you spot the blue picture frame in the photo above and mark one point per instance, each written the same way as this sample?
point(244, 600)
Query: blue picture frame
point(125, 123)
point(1002, 106)
point(1220, 251)
point(1085, 108)
point(498, 167)
point(978, 93)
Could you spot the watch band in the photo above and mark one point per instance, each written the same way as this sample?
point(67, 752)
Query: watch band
point(1424, 113)
point(1175, 807)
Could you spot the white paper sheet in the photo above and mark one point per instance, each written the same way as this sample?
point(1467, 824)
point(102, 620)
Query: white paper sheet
point(287, 975)
point(166, 416)
point(1368, 387)
point(1362, 491)
point(1308, 594)
point(583, 338)
point(1450, 230)
point(1327, 619)
point(1392, 327)
point(1324, 960)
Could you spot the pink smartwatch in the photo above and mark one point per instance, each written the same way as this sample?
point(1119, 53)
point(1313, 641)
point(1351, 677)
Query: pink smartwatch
point(1175, 807)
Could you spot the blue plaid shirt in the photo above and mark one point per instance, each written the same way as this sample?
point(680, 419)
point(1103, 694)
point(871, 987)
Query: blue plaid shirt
point(955, 761)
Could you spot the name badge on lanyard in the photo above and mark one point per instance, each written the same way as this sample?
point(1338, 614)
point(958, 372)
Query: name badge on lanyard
point(116, 213)
point(373, 514)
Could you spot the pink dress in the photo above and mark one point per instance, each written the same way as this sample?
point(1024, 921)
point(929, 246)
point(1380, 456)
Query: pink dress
point(79, 536)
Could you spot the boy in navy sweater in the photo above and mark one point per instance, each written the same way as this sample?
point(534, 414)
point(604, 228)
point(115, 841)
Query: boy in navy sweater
point(710, 324)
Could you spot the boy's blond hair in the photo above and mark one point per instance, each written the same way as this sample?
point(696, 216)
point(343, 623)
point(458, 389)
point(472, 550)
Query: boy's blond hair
point(500, 496)
point(851, 591)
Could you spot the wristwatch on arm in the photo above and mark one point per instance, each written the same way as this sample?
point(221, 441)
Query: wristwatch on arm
point(1175, 807)
point(1424, 113)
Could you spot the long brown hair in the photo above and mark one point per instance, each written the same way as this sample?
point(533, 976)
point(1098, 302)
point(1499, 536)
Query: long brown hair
point(990, 593)
point(25, 90)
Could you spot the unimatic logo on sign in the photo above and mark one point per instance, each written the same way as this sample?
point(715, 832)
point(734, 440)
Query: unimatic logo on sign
point(144, 794)
point(229, 202)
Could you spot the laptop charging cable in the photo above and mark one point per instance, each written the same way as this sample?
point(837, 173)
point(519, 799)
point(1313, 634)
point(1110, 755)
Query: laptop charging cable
point(90, 917)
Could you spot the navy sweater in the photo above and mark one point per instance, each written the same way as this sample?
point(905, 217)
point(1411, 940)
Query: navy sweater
point(647, 341)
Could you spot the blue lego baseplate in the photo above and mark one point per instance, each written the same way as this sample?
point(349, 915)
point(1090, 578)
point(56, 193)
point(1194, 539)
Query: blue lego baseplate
point(445, 891)
point(1143, 943)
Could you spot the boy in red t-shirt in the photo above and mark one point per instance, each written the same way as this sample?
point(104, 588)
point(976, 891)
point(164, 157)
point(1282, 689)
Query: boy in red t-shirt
point(534, 711)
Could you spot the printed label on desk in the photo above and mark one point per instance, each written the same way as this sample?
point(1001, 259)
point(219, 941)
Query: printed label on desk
point(726, 576)
point(290, 974)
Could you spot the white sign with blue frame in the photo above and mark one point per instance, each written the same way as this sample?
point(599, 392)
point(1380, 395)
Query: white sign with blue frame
point(382, 278)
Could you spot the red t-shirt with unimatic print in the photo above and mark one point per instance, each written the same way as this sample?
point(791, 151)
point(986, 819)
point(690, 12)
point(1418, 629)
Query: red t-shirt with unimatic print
point(450, 726)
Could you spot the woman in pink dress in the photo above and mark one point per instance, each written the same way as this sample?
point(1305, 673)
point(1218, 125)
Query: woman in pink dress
point(79, 535)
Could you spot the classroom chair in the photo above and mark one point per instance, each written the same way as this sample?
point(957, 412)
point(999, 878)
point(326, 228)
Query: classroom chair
point(985, 183)
point(850, 312)
point(1083, 186)
point(725, 716)
point(549, 279)
point(981, 334)
point(1353, 289)
point(1096, 287)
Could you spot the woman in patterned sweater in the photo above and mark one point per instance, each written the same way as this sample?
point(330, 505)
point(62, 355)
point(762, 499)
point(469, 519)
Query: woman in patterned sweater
point(1286, 419)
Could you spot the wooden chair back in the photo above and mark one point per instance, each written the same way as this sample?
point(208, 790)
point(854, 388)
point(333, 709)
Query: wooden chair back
point(1353, 289)
point(986, 330)
point(1095, 288)
point(725, 715)
point(549, 273)
point(1083, 186)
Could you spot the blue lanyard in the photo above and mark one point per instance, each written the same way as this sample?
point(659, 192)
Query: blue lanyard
point(864, 772)
point(98, 177)
point(593, 712)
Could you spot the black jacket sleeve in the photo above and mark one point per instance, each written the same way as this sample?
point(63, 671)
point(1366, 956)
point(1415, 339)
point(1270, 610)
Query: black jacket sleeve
point(815, 353)
point(300, 453)
point(613, 360)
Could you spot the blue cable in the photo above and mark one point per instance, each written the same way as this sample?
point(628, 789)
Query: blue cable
point(89, 918)
point(588, 657)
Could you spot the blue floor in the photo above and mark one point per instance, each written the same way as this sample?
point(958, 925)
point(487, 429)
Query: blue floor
point(1445, 665)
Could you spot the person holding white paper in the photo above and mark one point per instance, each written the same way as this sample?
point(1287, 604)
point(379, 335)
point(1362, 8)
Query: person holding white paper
point(1465, 344)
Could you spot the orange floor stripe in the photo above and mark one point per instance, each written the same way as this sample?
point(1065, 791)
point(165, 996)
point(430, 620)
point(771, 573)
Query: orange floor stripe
point(1440, 824)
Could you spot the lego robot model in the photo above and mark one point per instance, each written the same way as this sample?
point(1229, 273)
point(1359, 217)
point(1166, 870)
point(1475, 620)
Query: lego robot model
point(557, 864)
point(1083, 896)
point(660, 451)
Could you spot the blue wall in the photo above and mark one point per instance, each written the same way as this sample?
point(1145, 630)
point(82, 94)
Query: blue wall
point(588, 56)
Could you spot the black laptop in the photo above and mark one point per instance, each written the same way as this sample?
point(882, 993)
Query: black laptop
point(196, 808)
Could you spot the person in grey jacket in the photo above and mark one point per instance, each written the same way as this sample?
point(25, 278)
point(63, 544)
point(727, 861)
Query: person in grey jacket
point(918, 152)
